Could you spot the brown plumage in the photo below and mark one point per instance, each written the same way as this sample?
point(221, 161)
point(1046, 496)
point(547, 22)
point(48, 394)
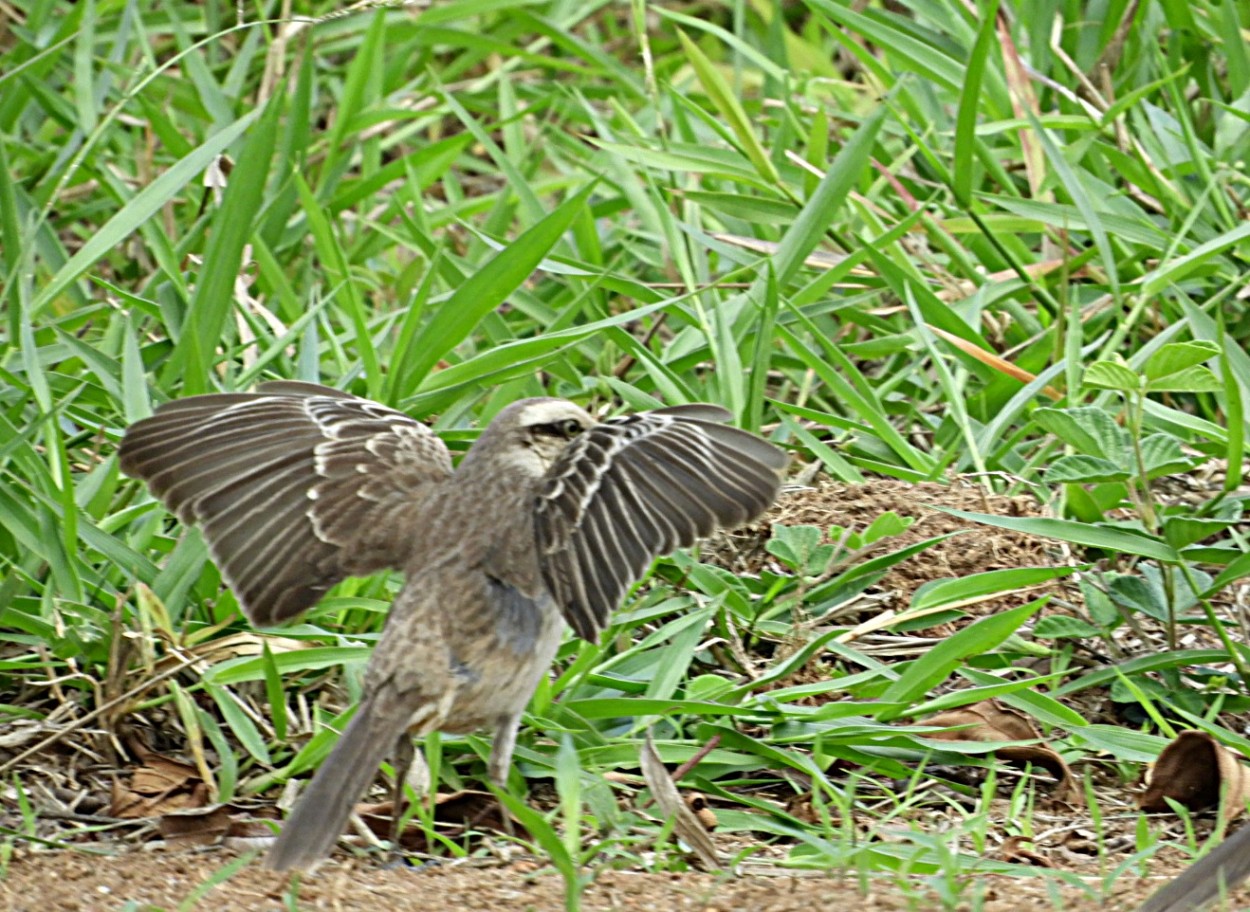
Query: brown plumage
point(550, 517)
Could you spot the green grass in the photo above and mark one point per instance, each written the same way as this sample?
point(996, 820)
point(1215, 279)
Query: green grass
point(795, 212)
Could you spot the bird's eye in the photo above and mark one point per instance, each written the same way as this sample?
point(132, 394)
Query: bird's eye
point(568, 428)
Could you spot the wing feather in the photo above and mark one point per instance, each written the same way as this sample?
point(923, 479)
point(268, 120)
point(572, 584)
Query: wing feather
point(632, 488)
point(296, 485)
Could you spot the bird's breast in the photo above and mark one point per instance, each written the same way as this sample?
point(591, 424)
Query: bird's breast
point(499, 643)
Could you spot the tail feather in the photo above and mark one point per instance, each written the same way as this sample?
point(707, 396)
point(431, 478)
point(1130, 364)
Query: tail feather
point(319, 817)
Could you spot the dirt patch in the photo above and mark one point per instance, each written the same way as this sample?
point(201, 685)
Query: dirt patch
point(147, 881)
point(974, 548)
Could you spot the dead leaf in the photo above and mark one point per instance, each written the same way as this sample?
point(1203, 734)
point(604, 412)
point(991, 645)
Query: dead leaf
point(161, 774)
point(685, 823)
point(1197, 771)
point(989, 720)
point(456, 814)
point(195, 827)
point(1014, 851)
point(160, 786)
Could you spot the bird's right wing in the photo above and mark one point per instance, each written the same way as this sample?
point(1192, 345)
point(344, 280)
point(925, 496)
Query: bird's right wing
point(296, 486)
point(632, 488)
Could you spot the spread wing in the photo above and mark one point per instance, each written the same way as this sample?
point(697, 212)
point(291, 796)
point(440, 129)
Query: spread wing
point(296, 486)
point(632, 488)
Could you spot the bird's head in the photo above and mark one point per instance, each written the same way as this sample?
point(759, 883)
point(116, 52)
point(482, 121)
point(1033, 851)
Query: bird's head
point(528, 436)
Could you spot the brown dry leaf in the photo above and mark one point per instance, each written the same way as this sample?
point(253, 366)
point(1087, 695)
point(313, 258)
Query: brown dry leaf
point(455, 815)
point(989, 720)
point(1198, 771)
point(800, 805)
point(1013, 850)
point(195, 827)
point(685, 823)
point(251, 828)
point(160, 786)
point(161, 774)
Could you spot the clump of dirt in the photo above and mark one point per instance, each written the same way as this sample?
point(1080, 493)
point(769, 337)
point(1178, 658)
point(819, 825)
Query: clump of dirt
point(974, 548)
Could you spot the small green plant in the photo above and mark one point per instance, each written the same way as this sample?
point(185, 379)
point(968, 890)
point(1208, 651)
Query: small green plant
point(1118, 456)
point(1156, 550)
point(801, 549)
point(1118, 449)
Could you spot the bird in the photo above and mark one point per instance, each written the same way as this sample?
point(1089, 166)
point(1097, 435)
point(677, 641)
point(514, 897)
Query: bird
point(1210, 877)
point(548, 519)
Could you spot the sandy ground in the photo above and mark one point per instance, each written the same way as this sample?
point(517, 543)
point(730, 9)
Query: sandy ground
point(147, 881)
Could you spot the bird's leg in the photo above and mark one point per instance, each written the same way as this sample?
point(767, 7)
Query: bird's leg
point(401, 760)
point(500, 764)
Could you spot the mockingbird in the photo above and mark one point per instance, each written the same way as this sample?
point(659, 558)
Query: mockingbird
point(1212, 876)
point(550, 517)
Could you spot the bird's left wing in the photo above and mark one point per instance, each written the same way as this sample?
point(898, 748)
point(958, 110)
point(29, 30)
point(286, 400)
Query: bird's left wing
point(296, 485)
point(632, 488)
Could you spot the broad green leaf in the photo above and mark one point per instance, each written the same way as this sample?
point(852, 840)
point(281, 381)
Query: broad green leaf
point(1112, 375)
point(1233, 378)
point(1163, 455)
point(569, 788)
point(909, 52)
point(1183, 531)
point(1099, 605)
point(1058, 626)
point(1238, 568)
point(1172, 271)
point(823, 205)
point(232, 225)
point(1188, 380)
point(758, 209)
point(489, 286)
point(693, 159)
point(274, 693)
point(253, 668)
point(887, 525)
point(1120, 743)
point(1176, 356)
point(1137, 593)
point(1084, 470)
point(800, 548)
point(242, 728)
point(1088, 430)
point(970, 107)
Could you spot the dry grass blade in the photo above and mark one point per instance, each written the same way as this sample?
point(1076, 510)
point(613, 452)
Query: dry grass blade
point(992, 360)
point(685, 822)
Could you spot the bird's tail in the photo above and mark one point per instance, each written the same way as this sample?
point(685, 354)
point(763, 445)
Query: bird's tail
point(323, 809)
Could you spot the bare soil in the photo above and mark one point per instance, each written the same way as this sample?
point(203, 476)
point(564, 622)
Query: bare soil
point(150, 881)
